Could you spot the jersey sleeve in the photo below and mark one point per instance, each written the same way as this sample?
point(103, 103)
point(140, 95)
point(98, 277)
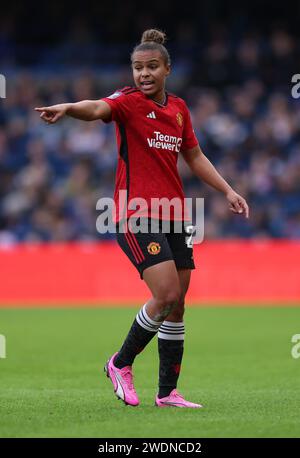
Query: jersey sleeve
point(120, 105)
point(189, 139)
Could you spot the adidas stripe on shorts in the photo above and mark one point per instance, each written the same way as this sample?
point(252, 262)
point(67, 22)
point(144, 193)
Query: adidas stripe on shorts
point(147, 249)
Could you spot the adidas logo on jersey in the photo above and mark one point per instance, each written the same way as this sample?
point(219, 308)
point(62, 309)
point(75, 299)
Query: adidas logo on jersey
point(151, 115)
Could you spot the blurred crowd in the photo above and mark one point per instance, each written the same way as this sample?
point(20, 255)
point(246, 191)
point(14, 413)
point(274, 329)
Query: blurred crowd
point(244, 116)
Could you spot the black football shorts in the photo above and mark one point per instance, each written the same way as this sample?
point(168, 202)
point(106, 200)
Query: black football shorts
point(155, 243)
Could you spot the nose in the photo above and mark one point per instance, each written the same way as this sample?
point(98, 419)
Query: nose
point(144, 73)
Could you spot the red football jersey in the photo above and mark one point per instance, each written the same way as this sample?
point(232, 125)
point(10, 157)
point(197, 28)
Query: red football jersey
point(149, 136)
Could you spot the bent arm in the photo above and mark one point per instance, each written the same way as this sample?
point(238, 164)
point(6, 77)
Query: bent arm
point(204, 169)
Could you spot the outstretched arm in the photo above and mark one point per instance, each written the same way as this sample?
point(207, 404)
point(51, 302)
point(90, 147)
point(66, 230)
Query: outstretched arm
point(86, 110)
point(204, 169)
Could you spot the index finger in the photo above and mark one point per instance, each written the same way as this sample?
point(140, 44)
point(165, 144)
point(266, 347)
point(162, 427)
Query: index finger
point(246, 208)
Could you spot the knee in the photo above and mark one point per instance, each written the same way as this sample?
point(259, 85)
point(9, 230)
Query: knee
point(172, 299)
point(169, 301)
point(178, 312)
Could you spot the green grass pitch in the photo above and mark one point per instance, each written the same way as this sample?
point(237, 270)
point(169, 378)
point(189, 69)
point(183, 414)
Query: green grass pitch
point(237, 363)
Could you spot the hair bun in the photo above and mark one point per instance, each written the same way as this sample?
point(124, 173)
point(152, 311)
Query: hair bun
point(154, 36)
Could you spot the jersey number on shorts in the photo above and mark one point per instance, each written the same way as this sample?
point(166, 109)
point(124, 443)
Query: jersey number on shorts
point(189, 239)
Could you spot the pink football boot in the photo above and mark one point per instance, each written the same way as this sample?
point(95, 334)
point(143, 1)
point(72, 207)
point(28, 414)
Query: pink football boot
point(175, 400)
point(122, 380)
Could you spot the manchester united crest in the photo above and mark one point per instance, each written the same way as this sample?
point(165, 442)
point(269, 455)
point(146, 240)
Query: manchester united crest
point(154, 248)
point(179, 119)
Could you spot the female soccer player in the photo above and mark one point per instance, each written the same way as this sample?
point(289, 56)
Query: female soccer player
point(152, 128)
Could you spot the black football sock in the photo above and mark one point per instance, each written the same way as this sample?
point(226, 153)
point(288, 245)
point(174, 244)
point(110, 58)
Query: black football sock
point(141, 332)
point(170, 348)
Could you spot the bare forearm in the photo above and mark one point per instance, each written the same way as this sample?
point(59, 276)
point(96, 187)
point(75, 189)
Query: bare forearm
point(86, 110)
point(204, 169)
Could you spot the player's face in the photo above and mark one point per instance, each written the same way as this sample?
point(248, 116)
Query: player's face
point(149, 72)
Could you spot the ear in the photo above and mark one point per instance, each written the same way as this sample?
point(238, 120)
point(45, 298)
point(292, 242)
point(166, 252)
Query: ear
point(168, 70)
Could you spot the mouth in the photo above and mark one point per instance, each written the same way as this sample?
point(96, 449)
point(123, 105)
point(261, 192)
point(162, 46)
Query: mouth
point(146, 85)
